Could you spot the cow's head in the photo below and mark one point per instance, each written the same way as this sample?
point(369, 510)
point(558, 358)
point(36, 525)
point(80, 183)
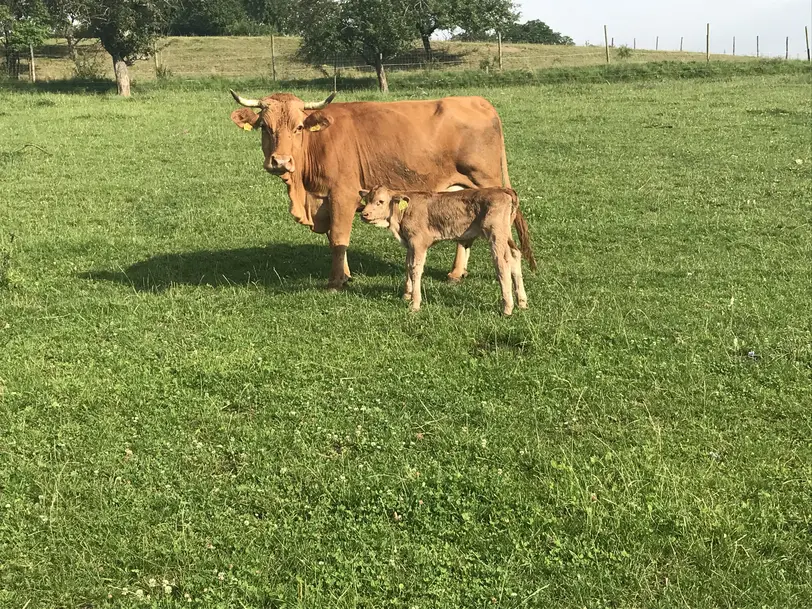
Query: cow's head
point(380, 205)
point(283, 119)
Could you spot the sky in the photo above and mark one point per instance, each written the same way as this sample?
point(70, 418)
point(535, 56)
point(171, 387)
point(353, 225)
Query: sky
point(771, 20)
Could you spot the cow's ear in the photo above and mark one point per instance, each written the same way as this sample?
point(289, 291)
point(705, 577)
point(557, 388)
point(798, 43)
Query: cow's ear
point(316, 121)
point(245, 118)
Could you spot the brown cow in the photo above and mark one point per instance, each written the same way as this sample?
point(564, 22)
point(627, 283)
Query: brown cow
point(420, 219)
point(329, 152)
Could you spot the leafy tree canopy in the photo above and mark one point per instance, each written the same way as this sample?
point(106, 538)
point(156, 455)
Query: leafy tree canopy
point(534, 31)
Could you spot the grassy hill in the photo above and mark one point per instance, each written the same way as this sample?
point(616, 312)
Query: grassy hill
point(195, 57)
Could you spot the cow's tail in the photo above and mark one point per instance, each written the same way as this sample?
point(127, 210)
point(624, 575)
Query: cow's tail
point(524, 233)
point(503, 160)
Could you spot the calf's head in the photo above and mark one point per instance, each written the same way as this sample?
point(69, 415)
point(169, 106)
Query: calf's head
point(381, 203)
point(282, 118)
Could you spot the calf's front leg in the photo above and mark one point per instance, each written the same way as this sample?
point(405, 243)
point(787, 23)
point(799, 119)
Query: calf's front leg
point(407, 293)
point(416, 271)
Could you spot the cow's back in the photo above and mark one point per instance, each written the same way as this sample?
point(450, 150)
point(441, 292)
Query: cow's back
point(414, 145)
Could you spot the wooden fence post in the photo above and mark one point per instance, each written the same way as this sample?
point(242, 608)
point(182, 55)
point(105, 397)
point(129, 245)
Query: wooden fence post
point(335, 73)
point(613, 42)
point(635, 44)
point(32, 69)
point(758, 54)
point(499, 48)
point(273, 57)
point(808, 55)
point(734, 46)
point(707, 44)
point(606, 43)
point(787, 55)
point(680, 43)
point(657, 44)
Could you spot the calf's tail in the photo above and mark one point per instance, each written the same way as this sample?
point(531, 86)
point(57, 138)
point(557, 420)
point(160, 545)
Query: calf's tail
point(524, 233)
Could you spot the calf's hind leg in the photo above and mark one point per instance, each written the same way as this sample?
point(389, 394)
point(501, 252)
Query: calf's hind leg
point(503, 261)
point(516, 271)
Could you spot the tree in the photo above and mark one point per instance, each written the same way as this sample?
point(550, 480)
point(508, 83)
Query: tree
point(430, 16)
point(281, 16)
point(206, 17)
point(65, 15)
point(375, 30)
point(535, 31)
point(22, 24)
point(480, 19)
point(127, 29)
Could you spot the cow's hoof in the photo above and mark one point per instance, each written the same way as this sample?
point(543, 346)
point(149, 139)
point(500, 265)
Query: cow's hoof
point(452, 278)
point(407, 296)
point(522, 304)
point(334, 285)
point(507, 311)
point(414, 308)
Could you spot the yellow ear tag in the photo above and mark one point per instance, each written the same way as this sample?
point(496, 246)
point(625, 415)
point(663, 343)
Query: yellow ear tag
point(403, 204)
point(247, 126)
point(316, 127)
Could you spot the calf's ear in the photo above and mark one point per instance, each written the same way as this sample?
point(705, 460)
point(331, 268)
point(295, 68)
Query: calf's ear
point(363, 193)
point(245, 118)
point(316, 121)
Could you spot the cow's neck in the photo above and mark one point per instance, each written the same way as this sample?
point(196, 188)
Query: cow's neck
point(298, 199)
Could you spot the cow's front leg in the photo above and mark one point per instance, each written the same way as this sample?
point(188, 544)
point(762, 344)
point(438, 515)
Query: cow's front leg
point(342, 214)
point(460, 268)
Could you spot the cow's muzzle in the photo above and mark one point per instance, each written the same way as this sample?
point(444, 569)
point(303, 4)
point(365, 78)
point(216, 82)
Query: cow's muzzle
point(279, 165)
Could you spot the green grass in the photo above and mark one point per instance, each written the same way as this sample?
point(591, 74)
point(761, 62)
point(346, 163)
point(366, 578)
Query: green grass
point(181, 400)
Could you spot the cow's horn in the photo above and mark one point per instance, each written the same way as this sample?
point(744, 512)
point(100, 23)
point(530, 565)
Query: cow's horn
point(319, 105)
point(248, 103)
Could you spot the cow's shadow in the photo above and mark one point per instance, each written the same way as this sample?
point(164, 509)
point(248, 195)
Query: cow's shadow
point(279, 267)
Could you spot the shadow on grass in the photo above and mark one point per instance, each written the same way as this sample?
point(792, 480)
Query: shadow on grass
point(280, 267)
point(64, 85)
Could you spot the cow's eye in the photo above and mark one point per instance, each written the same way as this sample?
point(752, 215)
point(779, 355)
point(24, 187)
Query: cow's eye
point(299, 128)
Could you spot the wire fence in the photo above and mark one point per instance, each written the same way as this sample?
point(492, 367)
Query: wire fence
point(278, 58)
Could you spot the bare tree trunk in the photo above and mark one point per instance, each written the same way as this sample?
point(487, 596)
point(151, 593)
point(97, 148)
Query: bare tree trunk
point(122, 76)
point(383, 85)
point(71, 40)
point(426, 45)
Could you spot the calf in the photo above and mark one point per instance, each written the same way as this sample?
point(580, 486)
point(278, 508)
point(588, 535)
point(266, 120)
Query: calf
point(420, 219)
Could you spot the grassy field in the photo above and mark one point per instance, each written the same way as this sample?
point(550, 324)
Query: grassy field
point(241, 57)
point(187, 418)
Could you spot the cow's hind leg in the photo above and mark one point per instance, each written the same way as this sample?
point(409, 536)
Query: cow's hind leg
point(460, 269)
point(516, 271)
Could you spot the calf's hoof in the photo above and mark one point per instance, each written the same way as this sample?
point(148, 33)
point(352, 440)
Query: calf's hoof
point(452, 278)
point(414, 308)
point(407, 296)
point(507, 311)
point(522, 304)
